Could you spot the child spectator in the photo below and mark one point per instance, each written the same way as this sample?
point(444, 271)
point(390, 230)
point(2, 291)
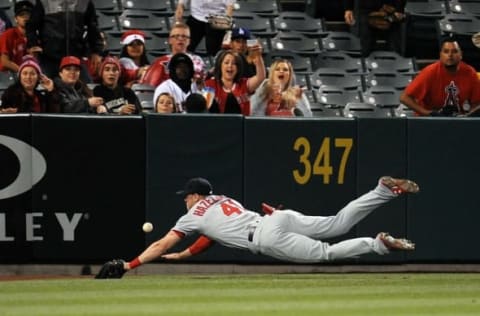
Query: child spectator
point(165, 103)
point(13, 41)
point(117, 98)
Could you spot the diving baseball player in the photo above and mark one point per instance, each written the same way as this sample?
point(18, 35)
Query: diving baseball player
point(283, 234)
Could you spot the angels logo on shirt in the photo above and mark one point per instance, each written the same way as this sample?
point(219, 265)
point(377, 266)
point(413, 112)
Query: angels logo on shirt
point(452, 95)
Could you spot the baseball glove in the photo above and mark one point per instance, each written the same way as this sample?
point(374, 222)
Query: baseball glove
point(383, 18)
point(112, 270)
point(220, 22)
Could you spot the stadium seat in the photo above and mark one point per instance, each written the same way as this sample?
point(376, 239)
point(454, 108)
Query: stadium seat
point(145, 94)
point(387, 79)
point(143, 20)
point(319, 110)
point(160, 7)
point(340, 60)
point(337, 97)
point(381, 96)
point(268, 8)
point(107, 22)
point(113, 42)
point(258, 25)
point(464, 7)
point(342, 41)
point(421, 27)
point(299, 22)
point(105, 6)
point(335, 77)
point(365, 110)
point(6, 79)
point(390, 62)
point(300, 64)
point(296, 43)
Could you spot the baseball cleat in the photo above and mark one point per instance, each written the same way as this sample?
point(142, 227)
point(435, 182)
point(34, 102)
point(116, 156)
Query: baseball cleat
point(393, 243)
point(399, 186)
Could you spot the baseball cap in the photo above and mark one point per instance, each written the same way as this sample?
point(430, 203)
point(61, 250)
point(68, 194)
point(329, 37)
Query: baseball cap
point(240, 32)
point(196, 185)
point(68, 61)
point(132, 35)
point(22, 6)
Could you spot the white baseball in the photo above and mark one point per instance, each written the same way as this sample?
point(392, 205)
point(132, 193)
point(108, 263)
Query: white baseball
point(147, 227)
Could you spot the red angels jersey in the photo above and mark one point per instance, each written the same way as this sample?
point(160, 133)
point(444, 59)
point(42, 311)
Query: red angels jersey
point(13, 43)
point(221, 219)
point(240, 91)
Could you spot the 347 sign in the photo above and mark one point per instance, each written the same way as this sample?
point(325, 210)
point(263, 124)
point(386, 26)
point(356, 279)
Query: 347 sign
point(319, 163)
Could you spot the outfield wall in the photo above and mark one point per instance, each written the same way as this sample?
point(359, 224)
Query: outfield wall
point(76, 189)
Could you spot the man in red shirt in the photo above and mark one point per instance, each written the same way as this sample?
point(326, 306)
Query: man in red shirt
point(13, 41)
point(447, 87)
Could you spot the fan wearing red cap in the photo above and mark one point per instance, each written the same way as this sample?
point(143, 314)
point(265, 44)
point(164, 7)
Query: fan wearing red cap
point(23, 95)
point(133, 57)
point(74, 95)
point(117, 98)
point(13, 41)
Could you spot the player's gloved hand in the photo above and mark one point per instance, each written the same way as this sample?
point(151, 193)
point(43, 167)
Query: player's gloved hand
point(113, 269)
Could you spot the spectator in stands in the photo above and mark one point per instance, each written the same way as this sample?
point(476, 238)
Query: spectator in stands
point(369, 30)
point(165, 103)
point(13, 41)
point(232, 91)
point(238, 44)
point(133, 57)
point(446, 87)
point(75, 96)
point(181, 83)
point(198, 22)
point(279, 95)
point(56, 30)
point(117, 98)
point(23, 95)
point(178, 40)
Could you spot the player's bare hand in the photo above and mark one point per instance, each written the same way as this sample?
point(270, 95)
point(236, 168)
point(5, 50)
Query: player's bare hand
point(127, 109)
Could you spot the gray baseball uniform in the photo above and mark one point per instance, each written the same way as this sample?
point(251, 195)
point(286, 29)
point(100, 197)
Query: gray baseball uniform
point(287, 234)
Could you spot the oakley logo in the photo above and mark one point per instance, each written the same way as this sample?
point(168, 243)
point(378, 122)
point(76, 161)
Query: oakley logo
point(32, 167)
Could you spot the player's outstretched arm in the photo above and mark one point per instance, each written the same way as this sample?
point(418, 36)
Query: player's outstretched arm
point(200, 245)
point(155, 250)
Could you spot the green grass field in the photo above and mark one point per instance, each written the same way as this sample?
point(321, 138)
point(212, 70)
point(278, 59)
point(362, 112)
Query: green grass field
point(280, 294)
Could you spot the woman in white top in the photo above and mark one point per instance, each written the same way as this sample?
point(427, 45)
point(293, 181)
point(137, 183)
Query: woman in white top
point(280, 89)
point(198, 22)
